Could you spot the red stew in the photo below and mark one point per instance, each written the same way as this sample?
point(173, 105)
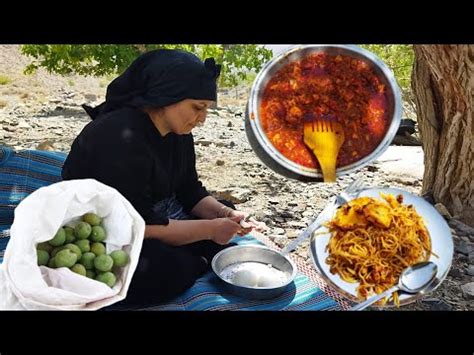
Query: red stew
point(322, 85)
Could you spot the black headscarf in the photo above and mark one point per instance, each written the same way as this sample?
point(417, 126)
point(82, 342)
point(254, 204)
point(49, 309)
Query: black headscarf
point(160, 78)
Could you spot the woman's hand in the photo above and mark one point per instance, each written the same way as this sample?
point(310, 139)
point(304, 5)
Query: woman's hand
point(247, 224)
point(223, 229)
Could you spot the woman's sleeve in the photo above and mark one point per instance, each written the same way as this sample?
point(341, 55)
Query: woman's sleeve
point(191, 190)
point(123, 161)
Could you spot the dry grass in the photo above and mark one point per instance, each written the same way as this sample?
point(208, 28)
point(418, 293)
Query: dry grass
point(4, 80)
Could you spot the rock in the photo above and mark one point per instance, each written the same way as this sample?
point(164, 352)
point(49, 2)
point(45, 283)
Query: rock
point(463, 248)
point(429, 197)
point(443, 211)
point(220, 162)
point(468, 291)
point(286, 215)
point(24, 124)
point(203, 143)
point(470, 270)
point(235, 195)
point(456, 273)
point(46, 145)
point(9, 128)
point(470, 258)
point(267, 221)
point(404, 180)
point(278, 231)
point(461, 228)
point(297, 224)
point(278, 240)
point(291, 234)
point(267, 213)
point(258, 215)
point(278, 219)
point(90, 97)
point(229, 124)
point(406, 140)
point(435, 304)
point(273, 201)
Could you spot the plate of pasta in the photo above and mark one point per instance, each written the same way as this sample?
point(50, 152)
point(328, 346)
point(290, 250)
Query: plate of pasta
point(364, 246)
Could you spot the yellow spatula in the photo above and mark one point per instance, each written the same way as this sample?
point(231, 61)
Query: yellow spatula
point(325, 138)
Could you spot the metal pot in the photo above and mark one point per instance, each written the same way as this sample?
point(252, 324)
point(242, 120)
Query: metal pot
point(245, 253)
point(277, 161)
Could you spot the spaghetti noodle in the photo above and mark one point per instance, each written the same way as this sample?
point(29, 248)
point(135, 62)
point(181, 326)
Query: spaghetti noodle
point(373, 241)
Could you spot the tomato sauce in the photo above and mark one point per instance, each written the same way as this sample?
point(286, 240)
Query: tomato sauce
point(326, 86)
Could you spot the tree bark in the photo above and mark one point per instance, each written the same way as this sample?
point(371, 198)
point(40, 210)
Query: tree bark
point(443, 86)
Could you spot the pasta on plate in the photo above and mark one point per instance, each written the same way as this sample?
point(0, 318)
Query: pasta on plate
point(373, 240)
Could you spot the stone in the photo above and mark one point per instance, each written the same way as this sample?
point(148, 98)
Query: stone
point(470, 258)
point(468, 291)
point(90, 97)
point(297, 224)
point(235, 195)
point(463, 248)
point(278, 231)
point(456, 273)
point(291, 234)
point(443, 211)
point(435, 304)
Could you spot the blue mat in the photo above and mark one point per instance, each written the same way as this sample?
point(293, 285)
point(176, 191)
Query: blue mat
point(208, 294)
point(22, 172)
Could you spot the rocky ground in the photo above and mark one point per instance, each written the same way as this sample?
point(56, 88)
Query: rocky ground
point(43, 112)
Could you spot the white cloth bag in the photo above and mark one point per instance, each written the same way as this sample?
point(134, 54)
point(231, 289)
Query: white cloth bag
point(25, 285)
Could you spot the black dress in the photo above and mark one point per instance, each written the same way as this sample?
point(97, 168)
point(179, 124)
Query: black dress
point(123, 149)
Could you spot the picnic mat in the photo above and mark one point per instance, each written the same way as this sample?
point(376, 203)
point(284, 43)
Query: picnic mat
point(22, 172)
point(309, 293)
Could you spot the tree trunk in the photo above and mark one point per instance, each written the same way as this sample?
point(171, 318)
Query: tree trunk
point(443, 86)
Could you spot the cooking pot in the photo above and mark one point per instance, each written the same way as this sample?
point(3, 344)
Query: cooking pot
point(274, 159)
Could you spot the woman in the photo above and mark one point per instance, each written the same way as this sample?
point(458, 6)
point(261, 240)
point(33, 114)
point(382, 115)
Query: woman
point(140, 143)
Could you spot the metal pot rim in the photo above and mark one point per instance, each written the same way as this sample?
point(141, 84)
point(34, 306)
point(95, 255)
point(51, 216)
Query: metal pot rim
point(288, 282)
point(264, 142)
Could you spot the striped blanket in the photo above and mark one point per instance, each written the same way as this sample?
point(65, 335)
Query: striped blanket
point(208, 294)
point(22, 172)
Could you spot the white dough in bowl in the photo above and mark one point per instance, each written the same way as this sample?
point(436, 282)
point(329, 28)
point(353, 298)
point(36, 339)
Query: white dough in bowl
point(254, 274)
point(271, 279)
point(245, 277)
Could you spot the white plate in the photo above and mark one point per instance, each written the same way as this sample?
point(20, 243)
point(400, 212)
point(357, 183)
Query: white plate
point(441, 243)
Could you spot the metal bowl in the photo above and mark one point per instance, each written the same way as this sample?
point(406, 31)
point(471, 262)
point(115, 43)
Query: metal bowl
point(244, 253)
point(265, 149)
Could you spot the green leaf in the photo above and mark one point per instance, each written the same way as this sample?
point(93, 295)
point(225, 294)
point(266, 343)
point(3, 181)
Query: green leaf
point(105, 59)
